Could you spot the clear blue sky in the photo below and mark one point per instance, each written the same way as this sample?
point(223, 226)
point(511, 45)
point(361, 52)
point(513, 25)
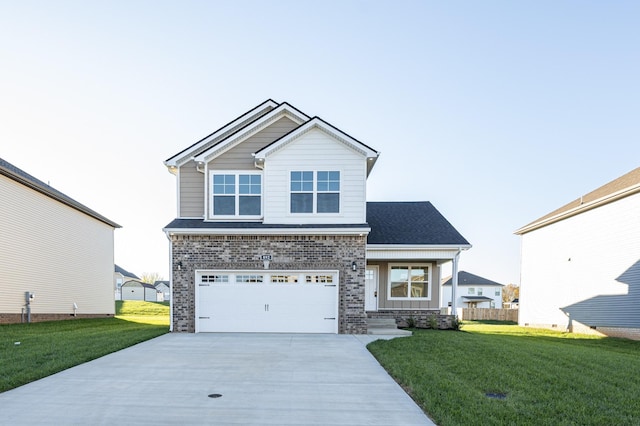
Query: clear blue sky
point(497, 112)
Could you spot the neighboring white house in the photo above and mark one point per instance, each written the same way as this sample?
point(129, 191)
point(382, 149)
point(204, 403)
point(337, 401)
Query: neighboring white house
point(120, 276)
point(274, 233)
point(164, 288)
point(581, 263)
point(473, 292)
point(137, 290)
point(54, 249)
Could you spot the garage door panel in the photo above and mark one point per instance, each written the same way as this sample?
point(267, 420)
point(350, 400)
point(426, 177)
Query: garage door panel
point(299, 307)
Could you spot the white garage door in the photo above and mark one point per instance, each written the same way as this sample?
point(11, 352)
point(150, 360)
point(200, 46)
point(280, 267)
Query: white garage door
point(267, 301)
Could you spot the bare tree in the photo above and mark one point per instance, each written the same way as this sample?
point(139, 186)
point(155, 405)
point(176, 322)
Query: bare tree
point(150, 277)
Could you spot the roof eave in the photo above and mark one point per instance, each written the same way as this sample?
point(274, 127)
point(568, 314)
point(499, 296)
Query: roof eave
point(186, 154)
point(580, 209)
point(284, 110)
point(419, 246)
point(267, 231)
point(66, 201)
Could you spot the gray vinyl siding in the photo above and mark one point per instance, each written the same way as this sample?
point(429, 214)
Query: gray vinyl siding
point(383, 278)
point(191, 187)
point(240, 158)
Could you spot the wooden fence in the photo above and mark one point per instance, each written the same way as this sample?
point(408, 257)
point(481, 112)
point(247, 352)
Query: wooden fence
point(490, 314)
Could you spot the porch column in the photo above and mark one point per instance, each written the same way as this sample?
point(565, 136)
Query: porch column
point(454, 284)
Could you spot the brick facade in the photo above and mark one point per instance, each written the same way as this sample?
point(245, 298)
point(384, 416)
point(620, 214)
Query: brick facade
point(420, 318)
point(289, 252)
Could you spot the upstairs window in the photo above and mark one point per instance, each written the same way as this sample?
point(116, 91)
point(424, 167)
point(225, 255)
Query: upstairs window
point(315, 192)
point(236, 195)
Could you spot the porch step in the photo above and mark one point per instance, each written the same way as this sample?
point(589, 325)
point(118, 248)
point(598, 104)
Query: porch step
point(385, 326)
point(381, 322)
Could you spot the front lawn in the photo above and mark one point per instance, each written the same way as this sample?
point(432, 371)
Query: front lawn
point(505, 374)
point(32, 351)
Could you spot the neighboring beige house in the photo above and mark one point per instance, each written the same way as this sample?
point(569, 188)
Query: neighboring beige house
point(274, 233)
point(54, 249)
point(581, 263)
point(120, 276)
point(137, 290)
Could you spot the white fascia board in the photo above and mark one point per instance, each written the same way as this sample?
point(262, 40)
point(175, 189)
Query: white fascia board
point(269, 231)
point(383, 247)
point(317, 123)
point(580, 209)
point(398, 252)
point(184, 156)
point(284, 110)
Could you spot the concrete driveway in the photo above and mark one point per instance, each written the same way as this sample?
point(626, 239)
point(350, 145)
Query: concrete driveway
point(263, 379)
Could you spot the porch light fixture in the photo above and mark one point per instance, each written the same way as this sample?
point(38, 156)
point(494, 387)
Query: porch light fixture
point(354, 266)
point(179, 265)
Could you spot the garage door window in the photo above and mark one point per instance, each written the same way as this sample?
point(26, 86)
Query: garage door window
point(215, 278)
point(317, 279)
point(249, 278)
point(291, 279)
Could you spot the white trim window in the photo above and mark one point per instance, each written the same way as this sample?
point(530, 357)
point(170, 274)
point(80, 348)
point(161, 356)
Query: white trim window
point(409, 282)
point(236, 195)
point(314, 192)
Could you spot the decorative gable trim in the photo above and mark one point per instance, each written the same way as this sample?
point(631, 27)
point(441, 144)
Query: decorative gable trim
point(317, 123)
point(216, 137)
point(283, 110)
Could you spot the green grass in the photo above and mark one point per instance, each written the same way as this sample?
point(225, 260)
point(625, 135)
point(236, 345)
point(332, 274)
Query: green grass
point(46, 348)
point(549, 378)
point(144, 312)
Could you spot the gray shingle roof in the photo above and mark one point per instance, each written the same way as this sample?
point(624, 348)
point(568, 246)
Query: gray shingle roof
point(412, 222)
point(465, 278)
point(12, 172)
point(402, 223)
point(125, 273)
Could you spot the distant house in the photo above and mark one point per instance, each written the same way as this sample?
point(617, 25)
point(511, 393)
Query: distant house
point(473, 292)
point(137, 290)
point(120, 276)
point(56, 255)
point(164, 288)
point(514, 304)
point(580, 266)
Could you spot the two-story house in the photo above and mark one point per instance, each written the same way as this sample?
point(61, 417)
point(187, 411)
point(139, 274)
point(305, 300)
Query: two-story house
point(274, 232)
point(474, 291)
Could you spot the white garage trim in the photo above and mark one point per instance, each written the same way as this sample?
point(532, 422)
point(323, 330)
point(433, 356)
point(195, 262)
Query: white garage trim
point(288, 301)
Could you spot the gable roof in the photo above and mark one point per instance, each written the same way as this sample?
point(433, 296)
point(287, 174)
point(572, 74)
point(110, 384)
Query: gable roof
point(334, 132)
point(224, 131)
point(410, 223)
point(252, 122)
point(12, 172)
point(125, 273)
point(157, 283)
point(466, 278)
point(622, 187)
point(250, 129)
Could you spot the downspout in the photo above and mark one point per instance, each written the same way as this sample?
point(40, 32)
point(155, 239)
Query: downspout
point(170, 281)
point(454, 284)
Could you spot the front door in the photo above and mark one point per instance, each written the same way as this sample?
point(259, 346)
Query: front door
point(371, 288)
